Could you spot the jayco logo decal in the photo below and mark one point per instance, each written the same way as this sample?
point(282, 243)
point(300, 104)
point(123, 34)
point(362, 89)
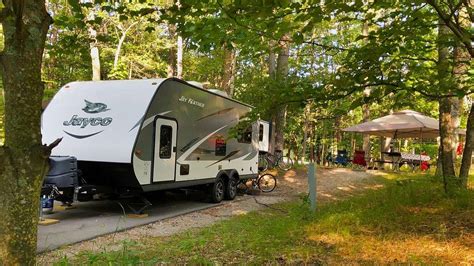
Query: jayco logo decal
point(82, 122)
point(94, 108)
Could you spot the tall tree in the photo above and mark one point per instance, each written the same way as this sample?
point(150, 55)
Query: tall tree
point(282, 69)
point(123, 30)
point(272, 74)
point(367, 91)
point(446, 121)
point(179, 57)
point(451, 13)
point(23, 158)
point(95, 56)
point(462, 63)
point(228, 69)
point(171, 72)
point(468, 149)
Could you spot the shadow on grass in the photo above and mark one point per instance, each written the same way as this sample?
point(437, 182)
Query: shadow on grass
point(409, 220)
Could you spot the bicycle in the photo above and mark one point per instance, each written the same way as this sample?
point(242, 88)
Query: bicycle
point(265, 183)
point(268, 160)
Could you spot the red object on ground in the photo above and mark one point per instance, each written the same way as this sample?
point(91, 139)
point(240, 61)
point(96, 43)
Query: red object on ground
point(424, 164)
point(460, 149)
point(359, 158)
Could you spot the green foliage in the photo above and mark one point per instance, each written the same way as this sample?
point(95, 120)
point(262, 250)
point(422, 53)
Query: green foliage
point(331, 61)
point(143, 53)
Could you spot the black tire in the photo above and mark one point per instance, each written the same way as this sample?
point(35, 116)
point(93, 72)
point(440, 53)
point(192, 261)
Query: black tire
point(217, 190)
point(231, 188)
point(285, 163)
point(267, 183)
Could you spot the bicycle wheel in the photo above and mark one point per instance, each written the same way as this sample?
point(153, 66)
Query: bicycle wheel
point(285, 163)
point(262, 163)
point(267, 182)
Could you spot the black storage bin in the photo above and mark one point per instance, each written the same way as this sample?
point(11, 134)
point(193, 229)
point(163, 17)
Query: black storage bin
point(63, 180)
point(63, 172)
point(62, 164)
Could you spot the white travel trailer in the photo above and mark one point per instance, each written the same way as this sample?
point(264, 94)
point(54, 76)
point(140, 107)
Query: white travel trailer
point(133, 136)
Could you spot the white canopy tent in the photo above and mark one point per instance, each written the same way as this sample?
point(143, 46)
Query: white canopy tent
point(403, 124)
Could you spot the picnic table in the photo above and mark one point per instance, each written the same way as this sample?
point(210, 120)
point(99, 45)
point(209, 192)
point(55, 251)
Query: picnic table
point(397, 159)
point(413, 160)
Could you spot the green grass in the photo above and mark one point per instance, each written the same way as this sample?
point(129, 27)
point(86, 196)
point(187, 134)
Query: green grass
point(410, 221)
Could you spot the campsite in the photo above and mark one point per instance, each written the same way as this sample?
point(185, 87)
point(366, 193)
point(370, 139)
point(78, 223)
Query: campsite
point(241, 132)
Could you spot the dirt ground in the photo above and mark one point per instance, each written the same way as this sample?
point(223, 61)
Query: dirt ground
point(332, 184)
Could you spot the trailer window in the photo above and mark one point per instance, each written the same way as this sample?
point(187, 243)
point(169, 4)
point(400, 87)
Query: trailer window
point(260, 133)
point(245, 136)
point(166, 134)
point(220, 147)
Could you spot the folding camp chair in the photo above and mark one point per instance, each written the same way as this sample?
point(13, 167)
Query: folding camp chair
point(359, 159)
point(341, 158)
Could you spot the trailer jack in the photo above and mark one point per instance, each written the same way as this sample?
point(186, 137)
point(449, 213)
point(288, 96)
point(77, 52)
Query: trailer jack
point(136, 204)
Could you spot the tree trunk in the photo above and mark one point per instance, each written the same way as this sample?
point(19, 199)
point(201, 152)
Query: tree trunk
point(439, 165)
point(456, 111)
point(338, 133)
point(281, 75)
point(323, 145)
point(446, 121)
point(447, 129)
point(366, 137)
point(271, 74)
point(95, 58)
point(306, 131)
point(120, 43)
point(353, 144)
point(228, 70)
point(271, 147)
point(366, 107)
point(305, 140)
point(385, 147)
point(179, 58)
point(172, 51)
point(468, 149)
point(95, 62)
point(23, 160)
point(462, 61)
point(280, 120)
point(271, 62)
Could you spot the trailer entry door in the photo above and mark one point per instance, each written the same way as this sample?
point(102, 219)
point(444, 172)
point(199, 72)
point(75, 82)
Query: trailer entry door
point(164, 163)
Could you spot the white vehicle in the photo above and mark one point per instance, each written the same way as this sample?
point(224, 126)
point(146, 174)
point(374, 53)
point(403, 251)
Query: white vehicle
point(134, 136)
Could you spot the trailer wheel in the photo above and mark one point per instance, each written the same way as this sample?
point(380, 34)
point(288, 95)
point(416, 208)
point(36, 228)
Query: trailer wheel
point(217, 190)
point(231, 188)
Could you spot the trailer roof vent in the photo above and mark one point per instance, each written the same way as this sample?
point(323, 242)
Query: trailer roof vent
point(222, 93)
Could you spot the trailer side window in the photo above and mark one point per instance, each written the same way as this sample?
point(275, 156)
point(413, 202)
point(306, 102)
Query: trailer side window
point(220, 147)
point(260, 133)
point(245, 136)
point(166, 134)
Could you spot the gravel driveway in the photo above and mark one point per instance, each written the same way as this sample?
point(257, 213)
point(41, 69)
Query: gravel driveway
point(332, 184)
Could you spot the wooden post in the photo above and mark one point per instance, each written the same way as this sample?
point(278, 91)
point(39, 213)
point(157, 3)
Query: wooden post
point(312, 185)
